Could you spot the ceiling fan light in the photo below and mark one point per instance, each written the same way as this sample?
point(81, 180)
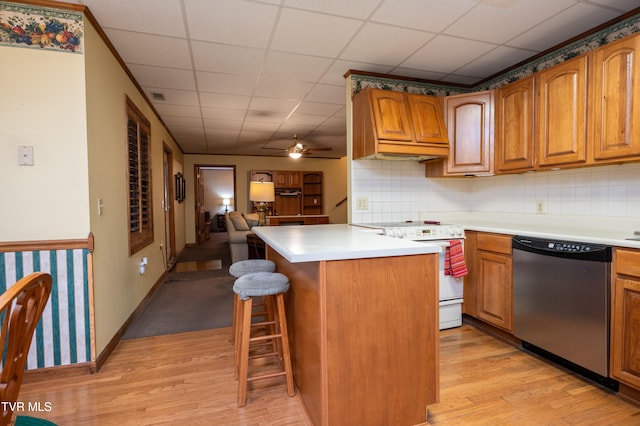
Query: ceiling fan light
point(295, 155)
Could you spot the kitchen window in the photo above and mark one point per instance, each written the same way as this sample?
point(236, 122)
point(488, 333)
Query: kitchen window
point(139, 179)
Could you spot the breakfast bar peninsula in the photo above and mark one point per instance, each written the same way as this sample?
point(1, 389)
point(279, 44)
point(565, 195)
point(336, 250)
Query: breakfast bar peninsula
point(362, 312)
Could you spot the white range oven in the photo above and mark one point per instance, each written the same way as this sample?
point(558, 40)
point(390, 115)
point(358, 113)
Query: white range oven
point(451, 288)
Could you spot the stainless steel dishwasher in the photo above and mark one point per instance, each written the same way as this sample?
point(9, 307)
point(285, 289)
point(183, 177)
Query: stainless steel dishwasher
point(561, 303)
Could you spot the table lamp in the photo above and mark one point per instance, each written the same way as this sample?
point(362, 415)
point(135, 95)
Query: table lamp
point(261, 193)
point(226, 202)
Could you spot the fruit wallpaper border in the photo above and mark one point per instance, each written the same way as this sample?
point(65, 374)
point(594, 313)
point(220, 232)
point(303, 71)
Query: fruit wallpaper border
point(27, 26)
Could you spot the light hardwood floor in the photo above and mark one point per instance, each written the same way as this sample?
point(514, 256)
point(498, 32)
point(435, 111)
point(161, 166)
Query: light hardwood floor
point(188, 379)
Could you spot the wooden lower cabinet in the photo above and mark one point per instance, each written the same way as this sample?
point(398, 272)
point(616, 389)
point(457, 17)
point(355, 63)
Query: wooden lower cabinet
point(625, 321)
point(489, 285)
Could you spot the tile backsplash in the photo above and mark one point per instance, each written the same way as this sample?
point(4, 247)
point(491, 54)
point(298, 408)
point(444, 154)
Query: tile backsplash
point(399, 190)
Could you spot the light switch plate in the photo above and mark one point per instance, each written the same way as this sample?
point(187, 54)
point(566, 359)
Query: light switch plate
point(25, 155)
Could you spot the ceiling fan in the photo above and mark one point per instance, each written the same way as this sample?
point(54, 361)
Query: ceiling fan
point(297, 150)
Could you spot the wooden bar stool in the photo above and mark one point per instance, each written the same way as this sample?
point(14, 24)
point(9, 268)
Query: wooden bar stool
point(239, 269)
point(247, 287)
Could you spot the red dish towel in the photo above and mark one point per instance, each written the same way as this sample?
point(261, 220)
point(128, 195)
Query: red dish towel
point(454, 260)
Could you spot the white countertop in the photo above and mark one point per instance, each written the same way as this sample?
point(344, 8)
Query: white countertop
point(312, 243)
point(613, 231)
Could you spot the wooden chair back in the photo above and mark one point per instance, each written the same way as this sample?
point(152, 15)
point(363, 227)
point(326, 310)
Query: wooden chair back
point(21, 307)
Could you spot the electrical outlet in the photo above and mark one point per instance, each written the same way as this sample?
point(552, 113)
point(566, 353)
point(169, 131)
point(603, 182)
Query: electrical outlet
point(362, 203)
point(540, 207)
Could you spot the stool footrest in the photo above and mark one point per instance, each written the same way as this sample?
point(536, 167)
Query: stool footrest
point(266, 337)
point(266, 376)
point(264, 355)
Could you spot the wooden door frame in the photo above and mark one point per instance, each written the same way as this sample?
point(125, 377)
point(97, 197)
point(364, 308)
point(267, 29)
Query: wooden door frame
point(196, 178)
point(169, 251)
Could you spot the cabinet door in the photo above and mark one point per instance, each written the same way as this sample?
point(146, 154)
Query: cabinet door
point(625, 352)
point(280, 179)
point(616, 99)
point(514, 126)
point(470, 126)
point(495, 289)
point(428, 123)
point(561, 113)
point(392, 116)
point(625, 318)
point(295, 180)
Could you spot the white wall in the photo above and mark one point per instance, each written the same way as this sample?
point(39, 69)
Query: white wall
point(42, 104)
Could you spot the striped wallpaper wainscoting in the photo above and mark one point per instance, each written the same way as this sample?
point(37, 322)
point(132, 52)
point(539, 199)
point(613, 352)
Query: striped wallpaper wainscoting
point(63, 335)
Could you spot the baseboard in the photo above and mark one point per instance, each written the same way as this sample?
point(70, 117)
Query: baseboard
point(58, 372)
point(102, 357)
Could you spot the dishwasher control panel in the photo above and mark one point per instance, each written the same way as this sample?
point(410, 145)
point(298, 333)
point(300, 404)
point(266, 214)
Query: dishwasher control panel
point(569, 249)
point(572, 247)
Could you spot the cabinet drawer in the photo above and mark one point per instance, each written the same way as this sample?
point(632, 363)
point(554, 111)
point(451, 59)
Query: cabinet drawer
point(497, 243)
point(627, 262)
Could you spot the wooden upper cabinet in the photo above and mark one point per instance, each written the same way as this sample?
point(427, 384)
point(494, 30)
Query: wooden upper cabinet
point(560, 131)
point(514, 126)
point(287, 179)
point(428, 122)
point(397, 123)
point(392, 116)
point(470, 127)
point(615, 100)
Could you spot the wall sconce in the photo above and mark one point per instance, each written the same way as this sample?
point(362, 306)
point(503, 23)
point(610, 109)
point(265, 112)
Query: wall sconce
point(226, 202)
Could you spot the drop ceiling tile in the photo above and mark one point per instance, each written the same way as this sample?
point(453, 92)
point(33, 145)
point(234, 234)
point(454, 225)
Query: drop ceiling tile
point(497, 22)
point(327, 94)
point(446, 54)
point(621, 5)
point(166, 78)
point(215, 123)
point(426, 15)
point(263, 126)
point(222, 100)
point(175, 121)
point(335, 74)
point(225, 83)
point(223, 113)
point(178, 110)
point(174, 97)
point(146, 49)
point(312, 33)
point(274, 88)
point(294, 66)
point(222, 58)
point(147, 16)
point(318, 108)
point(384, 44)
point(353, 8)
point(240, 23)
point(219, 135)
point(563, 26)
point(306, 120)
point(266, 116)
point(273, 104)
point(495, 61)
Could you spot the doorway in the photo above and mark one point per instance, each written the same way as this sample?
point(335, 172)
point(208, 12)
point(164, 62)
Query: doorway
point(169, 251)
point(215, 186)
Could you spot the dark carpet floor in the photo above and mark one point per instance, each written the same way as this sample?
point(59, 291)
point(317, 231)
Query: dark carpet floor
point(190, 301)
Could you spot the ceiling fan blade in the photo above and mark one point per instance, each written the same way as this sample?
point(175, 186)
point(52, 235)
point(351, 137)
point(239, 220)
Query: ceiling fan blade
point(318, 149)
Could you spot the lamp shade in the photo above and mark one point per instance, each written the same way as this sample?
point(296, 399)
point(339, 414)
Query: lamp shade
point(226, 201)
point(261, 192)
